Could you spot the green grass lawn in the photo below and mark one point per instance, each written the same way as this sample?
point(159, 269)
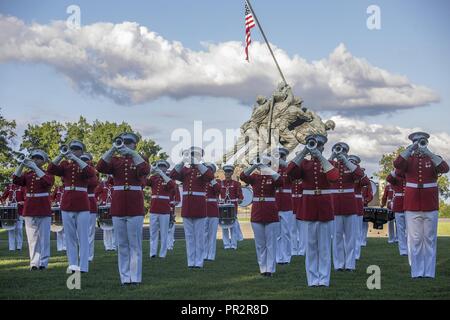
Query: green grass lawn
point(234, 275)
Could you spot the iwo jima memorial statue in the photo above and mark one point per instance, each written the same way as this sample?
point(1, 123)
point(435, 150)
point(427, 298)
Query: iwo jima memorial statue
point(279, 121)
point(284, 119)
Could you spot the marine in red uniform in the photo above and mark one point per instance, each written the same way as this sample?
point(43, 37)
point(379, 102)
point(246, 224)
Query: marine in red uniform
point(194, 177)
point(345, 209)
point(55, 198)
point(298, 234)
point(37, 208)
point(316, 210)
point(103, 194)
point(93, 209)
point(231, 191)
point(386, 201)
point(264, 214)
point(75, 209)
point(283, 199)
point(421, 168)
point(129, 170)
point(212, 214)
point(396, 179)
point(162, 188)
point(359, 185)
point(13, 195)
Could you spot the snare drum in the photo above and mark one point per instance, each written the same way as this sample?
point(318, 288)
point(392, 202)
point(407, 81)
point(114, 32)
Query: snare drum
point(104, 217)
point(9, 216)
point(57, 222)
point(381, 217)
point(227, 215)
point(369, 214)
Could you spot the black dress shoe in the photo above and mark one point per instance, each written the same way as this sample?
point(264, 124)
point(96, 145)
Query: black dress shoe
point(33, 268)
point(42, 268)
point(350, 270)
point(268, 274)
point(154, 256)
point(340, 270)
point(125, 284)
point(135, 284)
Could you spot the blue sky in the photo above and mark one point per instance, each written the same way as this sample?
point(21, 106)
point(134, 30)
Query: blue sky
point(413, 42)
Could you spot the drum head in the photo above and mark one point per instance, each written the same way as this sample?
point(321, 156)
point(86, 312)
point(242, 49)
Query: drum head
point(247, 192)
point(56, 228)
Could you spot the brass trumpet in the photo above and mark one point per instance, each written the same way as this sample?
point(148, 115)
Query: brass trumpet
point(311, 144)
point(118, 143)
point(423, 143)
point(338, 149)
point(64, 150)
point(22, 158)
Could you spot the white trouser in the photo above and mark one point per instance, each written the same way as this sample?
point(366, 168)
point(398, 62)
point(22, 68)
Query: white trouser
point(358, 231)
point(344, 242)
point(211, 225)
point(194, 232)
point(38, 235)
point(128, 233)
point(284, 246)
point(109, 240)
point(238, 232)
point(302, 237)
point(400, 222)
point(365, 229)
point(392, 236)
point(294, 236)
point(422, 240)
point(171, 238)
point(76, 230)
point(60, 241)
point(159, 227)
point(15, 236)
point(318, 252)
point(266, 245)
point(92, 223)
point(230, 236)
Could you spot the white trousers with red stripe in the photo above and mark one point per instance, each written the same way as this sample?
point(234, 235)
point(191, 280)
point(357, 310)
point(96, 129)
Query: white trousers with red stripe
point(194, 232)
point(421, 228)
point(344, 242)
point(284, 245)
point(159, 228)
point(318, 252)
point(266, 245)
point(211, 226)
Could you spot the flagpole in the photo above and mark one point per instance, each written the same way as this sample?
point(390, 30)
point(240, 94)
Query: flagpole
point(278, 67)
point(265, 39)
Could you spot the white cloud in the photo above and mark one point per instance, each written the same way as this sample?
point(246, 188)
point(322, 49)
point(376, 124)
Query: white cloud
point(131, 64)
point(371, 141)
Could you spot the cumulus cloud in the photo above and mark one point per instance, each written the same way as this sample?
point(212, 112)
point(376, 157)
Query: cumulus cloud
point(131, 64)
point(371, 141)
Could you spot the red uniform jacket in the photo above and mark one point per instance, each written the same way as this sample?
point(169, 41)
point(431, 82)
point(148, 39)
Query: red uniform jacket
point(359, 184)
point(419, 169)
point(126, 173)
point(319, 206)
point(73, 176)
point(398, 186)
point(345, 203)
point(367, 194)
point(161, 194)
point(212, 196)
point(14, 194)
point(234, 191)
point(194, 196)
point(264, 186)
point(92, 185)
point(297, 197)
point(175, 198)
point(388, 194)
point(284, 193)
point(56, 195)
point(36, 206)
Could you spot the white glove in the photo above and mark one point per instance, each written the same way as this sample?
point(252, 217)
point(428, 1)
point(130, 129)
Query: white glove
point(18, 172)
point(326, 165)
point(179, 166)
point(202, 168)
point(301, 156)
point(409, 150)
point(107, 156)
point(250, 169)
point(332, 156)
point(137, 159)
point(350, 165)
point(58, 159)
point(268, 171)
point(80, 162)
point(434, 158)
point(213, 182)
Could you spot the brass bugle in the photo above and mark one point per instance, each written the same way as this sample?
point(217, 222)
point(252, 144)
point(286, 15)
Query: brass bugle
point(118, 143)
point(311, 144)
point(64, 150)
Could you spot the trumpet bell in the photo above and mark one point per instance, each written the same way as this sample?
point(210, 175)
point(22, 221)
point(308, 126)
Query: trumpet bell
point(118, 143)
point(64, 149)
point(423, 143)
point(312, 144)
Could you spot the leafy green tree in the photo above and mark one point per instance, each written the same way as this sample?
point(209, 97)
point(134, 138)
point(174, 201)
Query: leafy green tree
point(7, 134)
point(46, 136)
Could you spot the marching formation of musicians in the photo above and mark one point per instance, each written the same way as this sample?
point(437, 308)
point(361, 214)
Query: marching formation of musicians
point(311, 206)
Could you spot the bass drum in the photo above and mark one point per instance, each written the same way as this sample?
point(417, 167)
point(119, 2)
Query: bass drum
point(247, 192)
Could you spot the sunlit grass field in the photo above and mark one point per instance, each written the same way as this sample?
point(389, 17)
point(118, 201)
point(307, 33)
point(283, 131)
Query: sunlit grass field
point(234, 275)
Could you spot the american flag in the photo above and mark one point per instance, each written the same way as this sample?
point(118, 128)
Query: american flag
point(249, 24)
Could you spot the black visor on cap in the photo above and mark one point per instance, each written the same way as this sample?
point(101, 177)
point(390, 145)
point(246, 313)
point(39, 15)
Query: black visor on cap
point(75, 148)
point(128, 141)
point(37, 156)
